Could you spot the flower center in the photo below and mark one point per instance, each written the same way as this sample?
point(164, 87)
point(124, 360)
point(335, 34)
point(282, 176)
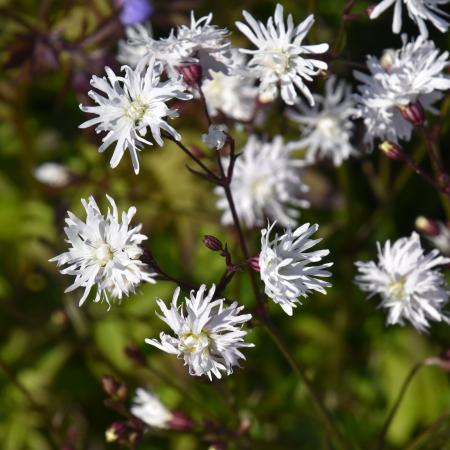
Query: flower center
point(328, 126)
point(277, 60)
point(136, 110)
point(194, 342)
point(103, 254)
point(396, 290)
point(260, 188)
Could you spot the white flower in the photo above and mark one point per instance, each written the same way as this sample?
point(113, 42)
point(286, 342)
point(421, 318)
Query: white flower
point(210, 45)
point(216, 137)
point(266, 181)
point(234, 94)
point(410, 286)
point(279, 57)
point(132, 105)
point(418, 10)
point(327, 127)
point(104, 253)
point(208, 334)
point(199, 43)
point(286, 269)
point(402, 77)
point(147, 407)
point(52, 174)
point(129, 54)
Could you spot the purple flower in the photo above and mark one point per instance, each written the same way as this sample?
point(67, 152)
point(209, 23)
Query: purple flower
point(134, 11)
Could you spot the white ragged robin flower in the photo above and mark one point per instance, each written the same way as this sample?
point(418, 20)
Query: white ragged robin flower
point(288, 269)
point(266, 182)
point(419, 11)
point(280, 61)
point(131, 55)
point(197, 43)
point(208, 334)
point(131, 105)
point(327, 126)
point(148, 408)
point(400, 80)
point(104, 253)
point(410, 285)
point(234, 94)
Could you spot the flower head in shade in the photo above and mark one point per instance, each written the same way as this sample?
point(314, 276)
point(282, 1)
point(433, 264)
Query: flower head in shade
point(280, 61)
point(267, 182)
point(147, 407)
point(104, 253)
point(134, 11)
point(131, 55)
point(420, 11)
point(199, 43)
point(408, 281)
point(131, 105)
point(216, 136)
point(208, 334)
point(52, 174)
point(210, 46)
point(401, 78)
point(327, 126)
point(287, 268)
point(235, 93)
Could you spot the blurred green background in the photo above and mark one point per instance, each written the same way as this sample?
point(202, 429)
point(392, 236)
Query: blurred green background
point(53, 354)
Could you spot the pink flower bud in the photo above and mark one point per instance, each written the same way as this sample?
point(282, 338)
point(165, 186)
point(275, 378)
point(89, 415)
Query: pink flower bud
point(134, 353)
point(180, 421)
point(253, 262)
point(427, 226)
point(392, 151)
point(212, 243)
point(192, 74)
point(413, 113)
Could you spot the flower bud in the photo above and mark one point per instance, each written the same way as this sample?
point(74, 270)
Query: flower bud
point(392, 151)
point(413, 113)
point(118, 431)
point(212, 243)
point(427, 226)
point(253, 262)
point(180, 421)
point(197, 152)
point(135, 354)
point(192, 73)
point(110, 385)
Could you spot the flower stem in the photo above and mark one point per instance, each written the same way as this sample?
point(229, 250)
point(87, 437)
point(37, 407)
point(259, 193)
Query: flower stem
point(324, 414)
point(398, 401)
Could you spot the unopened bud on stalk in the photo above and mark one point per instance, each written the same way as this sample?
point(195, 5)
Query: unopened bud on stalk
point(180, 421)
point(253, 262)
point(197, 152)
point(114, 389)
point(212, 243)
point(134, 353)
point(118, 431)
point(192, 73)
point(442, 361)
point(444, 182)
point(392, 151)
point(413, 113)
point(427, 226)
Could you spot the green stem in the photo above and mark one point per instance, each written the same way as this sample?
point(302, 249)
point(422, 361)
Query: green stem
point(394, 409)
